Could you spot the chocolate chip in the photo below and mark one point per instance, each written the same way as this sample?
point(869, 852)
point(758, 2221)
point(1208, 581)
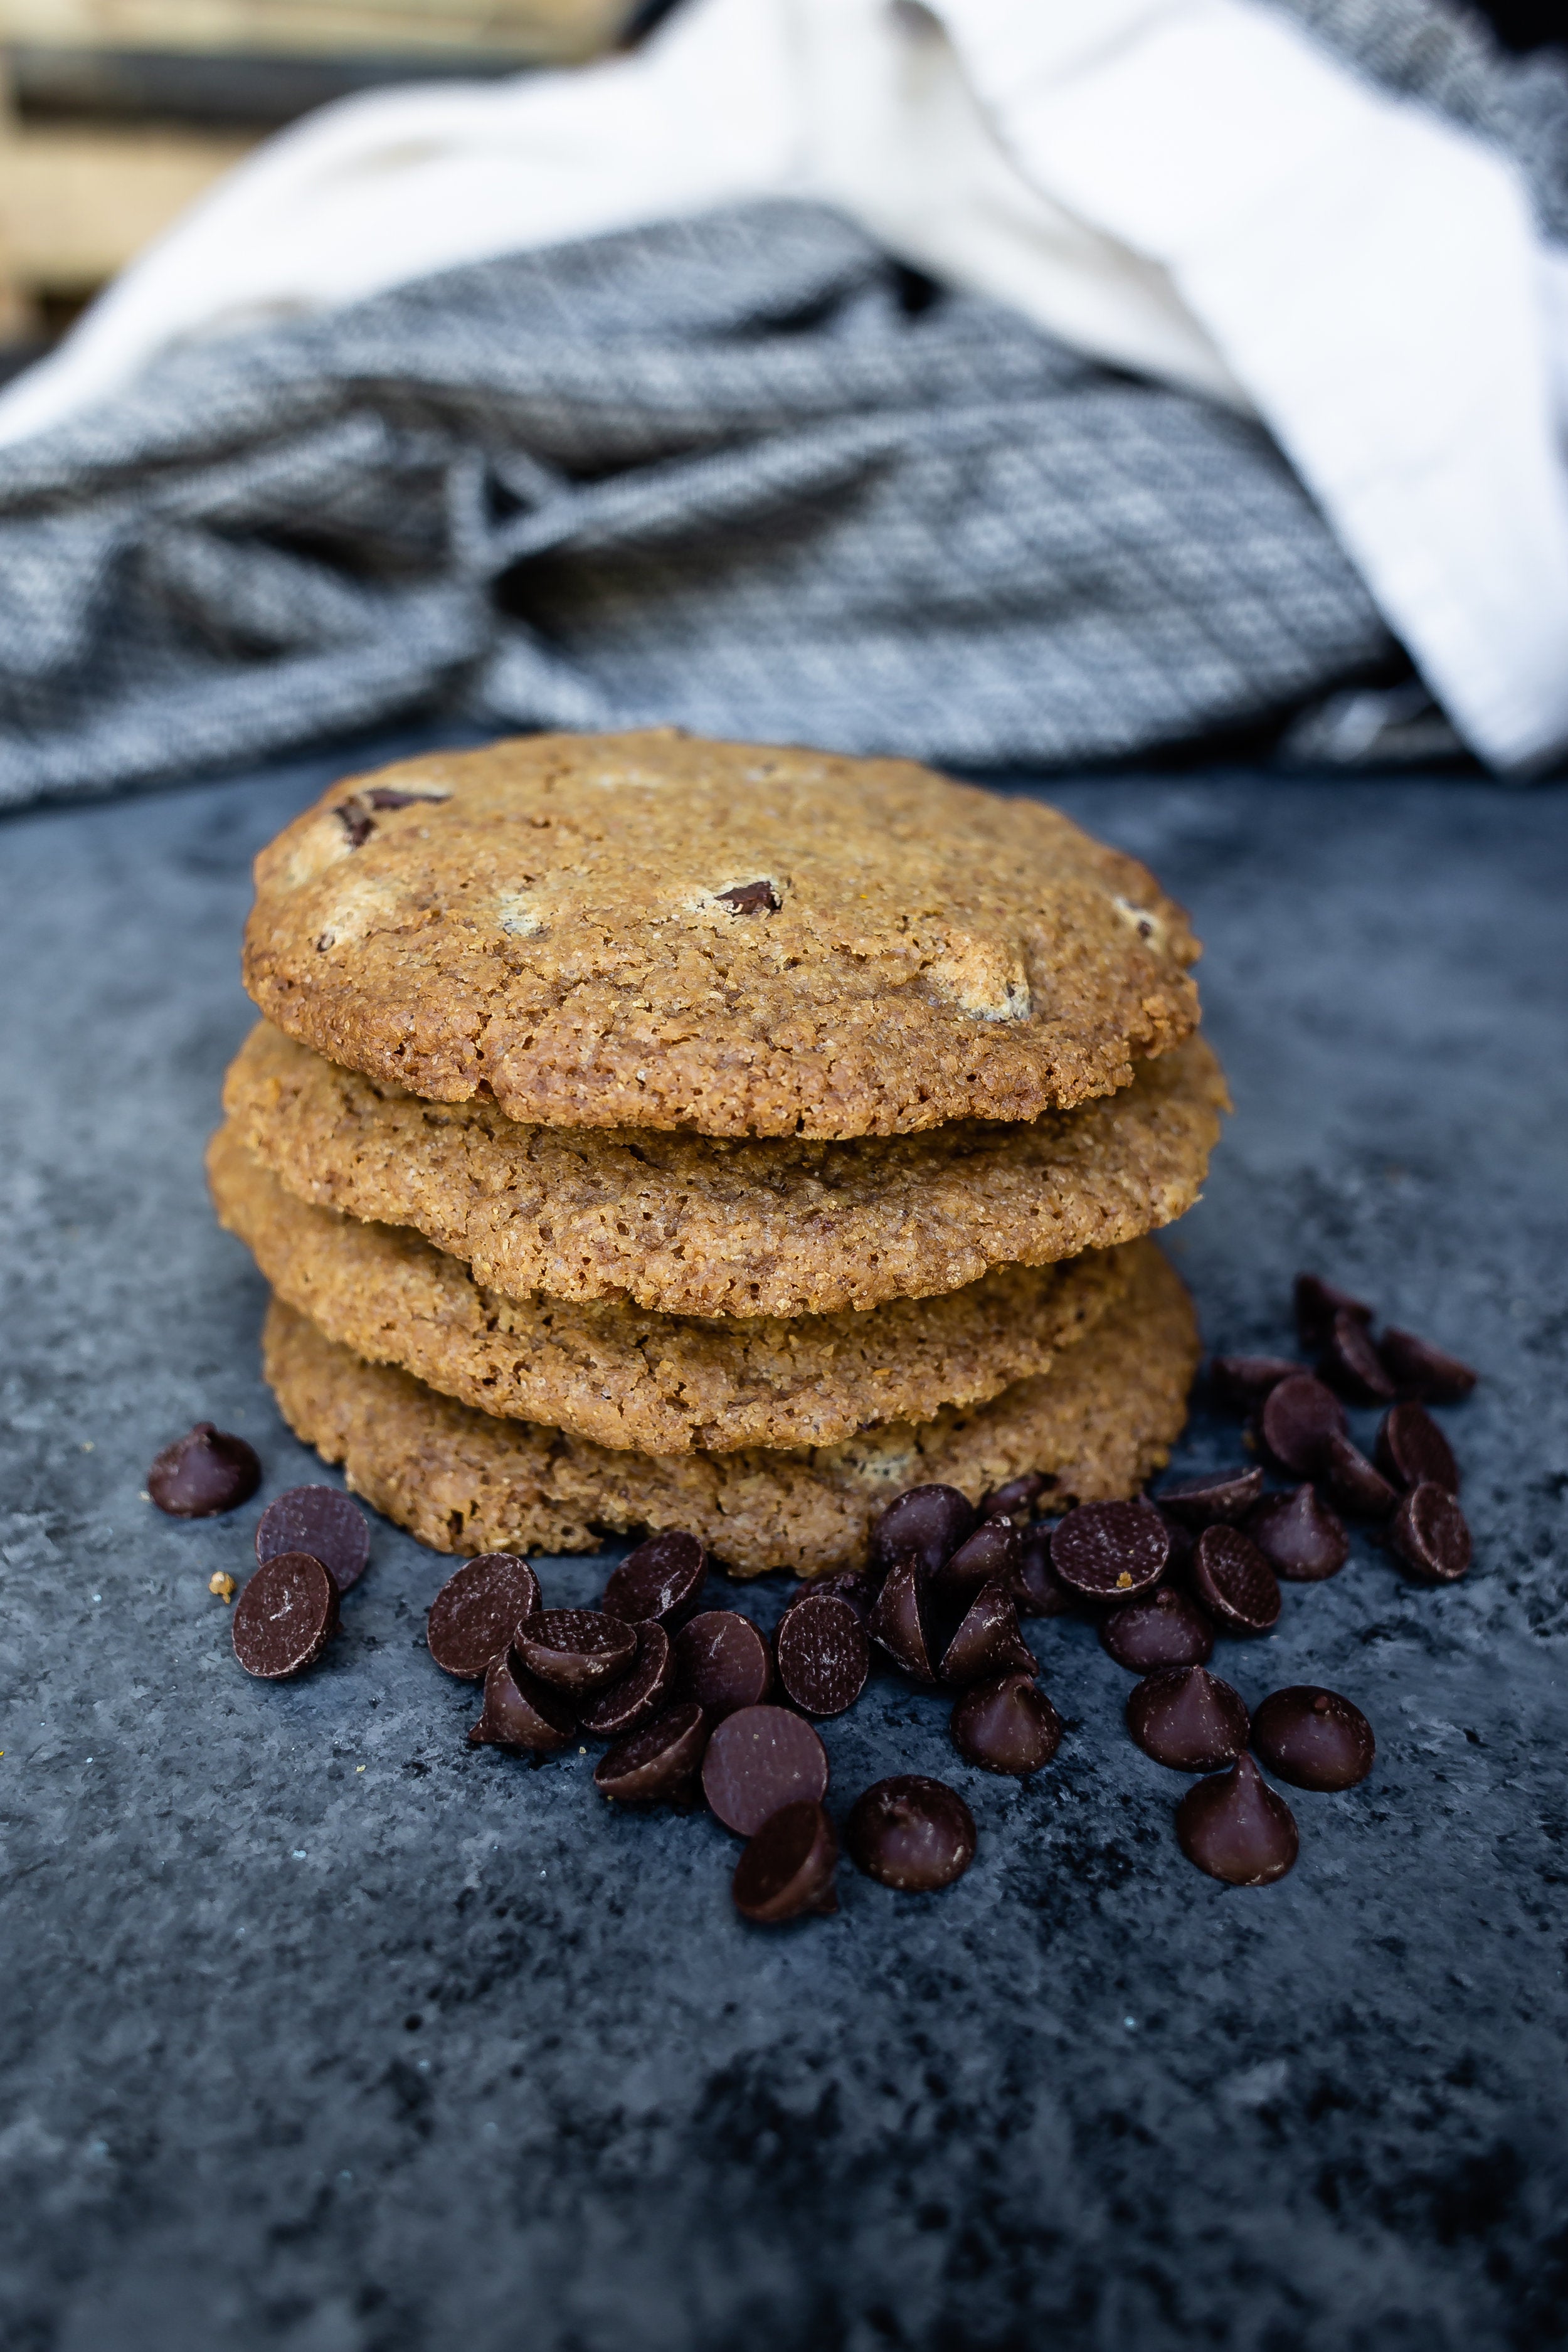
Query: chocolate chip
point(1419, 1369)
point(1236, 1828)
point(322, 1521)
point(897, 1624)
point(1411, 1449)
point(1350, 1362)
point(1227, 1494)
point(575, 1650)
point(357, 821)
point(1168, 1629)
point(1352, 1481)
point(1299, 1536)
point(788, 1868)
point(285, 1617)
point(930, 1522)
point(658, 1764)
point(204, 1473)
point(638, 1696)
point(1296, 1419)
point(1036, 1587)
point(1234, 1582)
point(387, 796)
point(721, 1662)
point(987, 1641)
point(1317, 1303)
point(911, 1833)
point(992, 1550)
point(477, 1611)
point(844, 1584)
point(1006, 1725)
point(1243, 1381)
point(758, 1761)
point(1313, 1738)
point(749, 898)
point(661, 1578)
point(520, 1712)
point(1016, 1500)
point(1430, 1535)
point(1110, 1552)
point(1189, 1719)
point(822, 1654)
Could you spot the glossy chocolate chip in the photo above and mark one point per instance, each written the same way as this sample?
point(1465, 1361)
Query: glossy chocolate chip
point(758, 1761)
point(822, 1654)
point(1296, 1420)
point(641, 1692)
point(1352, 1481)
point(1317, 1303)
point(1352, 1365)
point(1430, 1533)
point(520, 1712)
point(285, 1617)
point(1036, 1587)
point(1412, 1450)
point(911, 1833)
point(787, 1869)
point(661, 1578)
point(987, 1641)
point(927, 1522)
point(659, 1763)
point(204, 1473)
point(1313, 1738)
point(1019, 1499)
point(1243, 1381)
point(1187, 1718)
point(1008, 1724)
point(1227, 1494)
point(1232, 1579)
point(1299, 1536)
point(897, 1625)
point(322, 1521)
point(1110, 1552)
point(1419, 1369)
point(993, 1550)
point(749, 898)
point(575, 1650)
point(474, 1616)
point(1236, 1828)
point(388, 796)
point(721, 1662)
point(357, 821)
point(1167, 1629)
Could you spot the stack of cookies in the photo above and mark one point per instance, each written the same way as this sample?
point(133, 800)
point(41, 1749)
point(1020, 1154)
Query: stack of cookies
point(645, 1133)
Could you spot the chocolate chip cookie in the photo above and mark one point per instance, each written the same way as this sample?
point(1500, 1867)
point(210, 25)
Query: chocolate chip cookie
point(690, 1224)
point(648, 930)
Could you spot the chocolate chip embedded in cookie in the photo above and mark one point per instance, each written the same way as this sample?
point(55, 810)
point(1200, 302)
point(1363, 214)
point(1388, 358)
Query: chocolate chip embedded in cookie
point(652, 931)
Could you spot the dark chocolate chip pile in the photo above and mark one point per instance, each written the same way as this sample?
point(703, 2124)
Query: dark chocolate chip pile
point(698, 1707)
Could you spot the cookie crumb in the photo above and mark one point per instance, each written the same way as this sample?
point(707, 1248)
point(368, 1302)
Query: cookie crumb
point(221, 1583)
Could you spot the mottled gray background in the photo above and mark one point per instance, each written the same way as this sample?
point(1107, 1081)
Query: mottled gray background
point(441, 2053)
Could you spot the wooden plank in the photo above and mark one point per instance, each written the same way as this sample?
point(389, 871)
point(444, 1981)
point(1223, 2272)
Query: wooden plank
point(76, 205)
point(558, 30)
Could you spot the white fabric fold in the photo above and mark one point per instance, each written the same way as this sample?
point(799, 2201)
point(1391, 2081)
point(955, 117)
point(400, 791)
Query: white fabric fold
point(1189, 188)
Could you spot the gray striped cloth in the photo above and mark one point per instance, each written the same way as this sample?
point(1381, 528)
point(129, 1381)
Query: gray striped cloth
point(740, 473)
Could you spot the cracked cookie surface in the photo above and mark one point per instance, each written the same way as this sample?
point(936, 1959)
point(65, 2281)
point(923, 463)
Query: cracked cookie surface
point(652, 931)
point(664, 1384)
point(709, 1225)
point(1100, 1422)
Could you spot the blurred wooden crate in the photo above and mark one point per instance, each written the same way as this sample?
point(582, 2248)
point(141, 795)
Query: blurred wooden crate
point(114, 114)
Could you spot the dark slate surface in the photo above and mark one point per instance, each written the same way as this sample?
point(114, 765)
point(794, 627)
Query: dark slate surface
point(440, 2052)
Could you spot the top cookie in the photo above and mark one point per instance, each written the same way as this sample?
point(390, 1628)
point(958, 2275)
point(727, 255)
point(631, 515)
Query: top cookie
point(652, 931)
